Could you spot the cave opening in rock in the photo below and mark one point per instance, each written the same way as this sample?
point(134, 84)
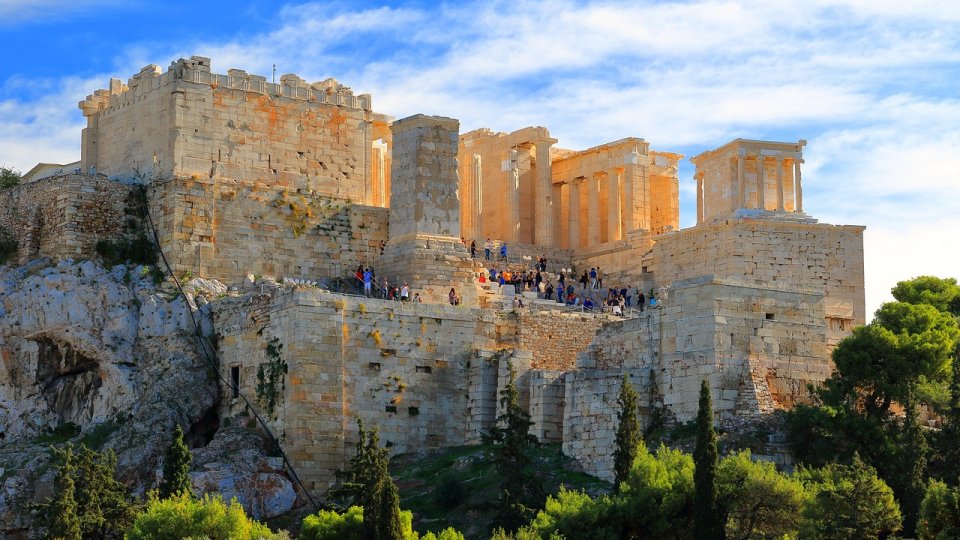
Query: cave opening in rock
point(68, 380)
point(202, 431)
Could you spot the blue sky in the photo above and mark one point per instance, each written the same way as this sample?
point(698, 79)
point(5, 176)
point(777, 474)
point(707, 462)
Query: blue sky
point(871, 84)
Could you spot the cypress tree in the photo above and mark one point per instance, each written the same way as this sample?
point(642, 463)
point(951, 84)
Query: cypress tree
point(521, 491)
point(629, 438)
point(389, 526)
point(707, 523)
point(176, 468)
point(63, 509)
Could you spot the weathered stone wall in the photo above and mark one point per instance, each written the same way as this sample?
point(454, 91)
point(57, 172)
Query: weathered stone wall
point(226, 229)
point(555, 338)
point(188, 121)
point(65, 216)
point(825, 259)
point(409, 369)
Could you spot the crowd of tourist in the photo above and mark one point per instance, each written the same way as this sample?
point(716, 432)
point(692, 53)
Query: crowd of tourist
point(585, 292)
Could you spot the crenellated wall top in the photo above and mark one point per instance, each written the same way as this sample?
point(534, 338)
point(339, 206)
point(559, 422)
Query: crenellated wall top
point(196, 70)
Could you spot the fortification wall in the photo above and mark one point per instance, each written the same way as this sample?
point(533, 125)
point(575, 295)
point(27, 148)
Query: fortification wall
point(821, 258)
point(65, 216)
point(226, 229)
point(188, 121)
point(555, 338)
point(413, 370)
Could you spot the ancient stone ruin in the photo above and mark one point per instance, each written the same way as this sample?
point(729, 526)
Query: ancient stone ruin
point(303, 182)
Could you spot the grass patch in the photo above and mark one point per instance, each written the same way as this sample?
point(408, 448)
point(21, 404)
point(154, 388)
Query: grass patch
point(458, 487)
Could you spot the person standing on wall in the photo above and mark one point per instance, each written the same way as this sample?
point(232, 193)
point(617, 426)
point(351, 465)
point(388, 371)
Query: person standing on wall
point(487, 246)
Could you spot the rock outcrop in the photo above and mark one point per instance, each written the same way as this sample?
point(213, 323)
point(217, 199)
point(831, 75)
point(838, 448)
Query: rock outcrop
point(107, 358)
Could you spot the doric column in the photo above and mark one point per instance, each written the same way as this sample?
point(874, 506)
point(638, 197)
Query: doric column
point(626, 202)
point(379, 172)
point(477, 202)
point(699, 178)
point(512, 181)
point(593, 210)
point(614, 224)
point(574, 242)
point(779, 163)
point(543, 201)
point(558, 223)
point(797, 188)
point(740, 185)
point(761, 189)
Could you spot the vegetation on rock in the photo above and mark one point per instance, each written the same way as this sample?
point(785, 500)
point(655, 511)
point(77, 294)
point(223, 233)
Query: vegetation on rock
point(9, 177)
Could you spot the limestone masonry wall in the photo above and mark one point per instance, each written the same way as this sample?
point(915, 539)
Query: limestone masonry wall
point(65, 216)
point(226, 229)
point(555, 338)
point(188, 121)
point(800, 256)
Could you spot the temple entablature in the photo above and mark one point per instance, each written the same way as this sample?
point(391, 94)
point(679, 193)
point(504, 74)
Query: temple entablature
point(750, 178)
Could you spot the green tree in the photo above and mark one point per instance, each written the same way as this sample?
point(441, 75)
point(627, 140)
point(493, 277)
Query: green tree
point(367, 484)
point(521, 490)
point(63, 510)
point(848, 502)
point(90, 500)
point(349, 525)
point(389, 525)
point(182, 516)
point(9, 177)
point(911, 477)
point(758, 501)
point(628, 432)
point(176, 467)
point(943, 294)
point(940, 513)
point(707, 522)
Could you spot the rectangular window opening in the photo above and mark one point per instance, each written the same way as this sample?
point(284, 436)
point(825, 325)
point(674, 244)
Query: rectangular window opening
point(391, 408)
point(413, 411)
point(424, 369)
point(769, 316)
point(374, 366)
point(235, 381)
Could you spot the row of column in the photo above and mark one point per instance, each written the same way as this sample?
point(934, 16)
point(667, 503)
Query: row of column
point(619, 216)
point(740, 200)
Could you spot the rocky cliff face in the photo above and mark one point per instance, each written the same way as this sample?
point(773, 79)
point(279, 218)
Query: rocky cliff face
point(109, 354)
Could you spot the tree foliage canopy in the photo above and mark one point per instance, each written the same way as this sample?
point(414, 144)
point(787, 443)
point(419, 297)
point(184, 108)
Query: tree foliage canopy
point(182, 516)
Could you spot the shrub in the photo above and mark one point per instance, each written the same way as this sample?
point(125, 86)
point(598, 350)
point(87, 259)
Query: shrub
point(137, 250)
point(9, 177)
point(181, 516)
point(331, 525)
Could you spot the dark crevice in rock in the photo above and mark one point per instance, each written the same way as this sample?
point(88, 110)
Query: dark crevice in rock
point(202, 431)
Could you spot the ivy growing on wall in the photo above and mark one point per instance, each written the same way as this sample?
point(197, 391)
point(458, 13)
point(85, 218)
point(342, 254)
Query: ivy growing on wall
point(270, 376)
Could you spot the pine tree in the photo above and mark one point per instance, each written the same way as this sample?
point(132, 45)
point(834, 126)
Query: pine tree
point(65, 523)
point(629, 437)
point(521, 491)
point(176, 467)
point(707, 523)
point(913, 467)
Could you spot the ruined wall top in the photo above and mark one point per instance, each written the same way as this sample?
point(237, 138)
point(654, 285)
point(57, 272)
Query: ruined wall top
point(196, 69)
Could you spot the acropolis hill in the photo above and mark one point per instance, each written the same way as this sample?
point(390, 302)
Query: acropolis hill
point(274, 188)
